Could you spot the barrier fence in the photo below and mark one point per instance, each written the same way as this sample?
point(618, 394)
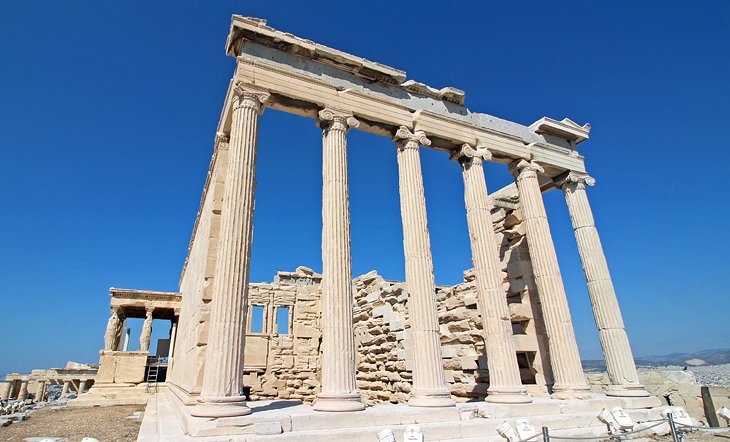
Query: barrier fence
point(677, 429)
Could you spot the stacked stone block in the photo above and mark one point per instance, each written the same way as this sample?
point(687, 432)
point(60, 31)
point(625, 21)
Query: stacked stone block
point(382, 340)
point(290, 361)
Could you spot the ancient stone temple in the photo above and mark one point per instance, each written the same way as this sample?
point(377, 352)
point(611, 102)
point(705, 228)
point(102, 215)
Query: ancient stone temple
point(130, 376)
point(348, 347)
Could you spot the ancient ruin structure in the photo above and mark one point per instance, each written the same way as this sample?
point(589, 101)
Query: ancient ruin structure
point(73, 378)
point(123, 374)
point(504, 335)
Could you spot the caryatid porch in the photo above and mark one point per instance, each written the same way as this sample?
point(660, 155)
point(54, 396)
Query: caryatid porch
point(121, 370)
point(344, 92)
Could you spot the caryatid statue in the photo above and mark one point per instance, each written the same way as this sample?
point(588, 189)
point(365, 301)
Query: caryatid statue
point(146, 336)
point(112, 335)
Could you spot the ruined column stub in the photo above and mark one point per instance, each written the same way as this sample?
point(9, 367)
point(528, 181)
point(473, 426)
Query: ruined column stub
point(505, 385)
point(569, 380)
point(614, 340)
point(429, 385)
point(222, 391)
point(339, 389)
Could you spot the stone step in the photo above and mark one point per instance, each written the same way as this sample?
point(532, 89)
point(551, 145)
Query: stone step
point(290, 421)
point(578, 424)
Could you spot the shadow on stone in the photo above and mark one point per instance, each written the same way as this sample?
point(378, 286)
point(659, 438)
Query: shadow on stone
point(275, 405)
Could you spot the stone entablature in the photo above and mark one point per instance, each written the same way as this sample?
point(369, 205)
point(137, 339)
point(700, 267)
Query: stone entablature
point(300, 70)
point(131, 299)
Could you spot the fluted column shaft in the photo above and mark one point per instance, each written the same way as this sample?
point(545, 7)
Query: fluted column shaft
point(569, 380)
point(221, 393)
point(614, 340)
point(429, 384)
point(505, 385)
point(339, 389)
point(146, 334)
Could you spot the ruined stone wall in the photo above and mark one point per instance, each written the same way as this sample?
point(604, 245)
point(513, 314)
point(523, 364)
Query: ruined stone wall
point(196, 282)
point(286, 366)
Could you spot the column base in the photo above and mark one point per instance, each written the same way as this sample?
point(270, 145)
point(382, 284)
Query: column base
point(572, 392)
point(226, 406)
point(508, 396)
point(634, 390)
point(339, 402)
point(424, 398)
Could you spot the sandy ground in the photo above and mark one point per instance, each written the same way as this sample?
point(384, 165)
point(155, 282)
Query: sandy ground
point(699, 436)
point(108, 424)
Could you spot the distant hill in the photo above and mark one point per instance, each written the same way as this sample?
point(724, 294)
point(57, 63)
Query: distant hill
point(704, 357)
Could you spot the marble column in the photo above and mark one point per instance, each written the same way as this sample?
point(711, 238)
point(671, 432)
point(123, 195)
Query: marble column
point(40, 391)
point(505, 384)
point(222, 390)
point(65, 389)
point(429, 384)
point(82, 385)
point(23, 390)
point(112, 329)
point(5, 391)
point(569, 380)
point(173, 336)
point(146, 334)
point(614, 340)
point(127, 333)
point(339, 389)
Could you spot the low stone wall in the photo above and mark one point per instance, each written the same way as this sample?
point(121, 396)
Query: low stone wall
point(286, 366)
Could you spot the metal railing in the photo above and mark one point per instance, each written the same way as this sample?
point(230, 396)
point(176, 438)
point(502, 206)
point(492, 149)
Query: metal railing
point(678, 431)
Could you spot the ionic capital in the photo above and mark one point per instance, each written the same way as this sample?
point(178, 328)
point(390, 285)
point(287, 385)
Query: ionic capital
point(579, 179)
point(330, 118)
point(521, 166)
point(249, 96)
point(405, 139)
point(221, 140)
point(468, 153)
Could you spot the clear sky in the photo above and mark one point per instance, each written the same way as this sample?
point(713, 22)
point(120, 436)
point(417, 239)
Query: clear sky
point(108, 113)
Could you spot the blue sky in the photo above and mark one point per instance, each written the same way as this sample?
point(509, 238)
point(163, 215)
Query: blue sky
point(108, 113)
